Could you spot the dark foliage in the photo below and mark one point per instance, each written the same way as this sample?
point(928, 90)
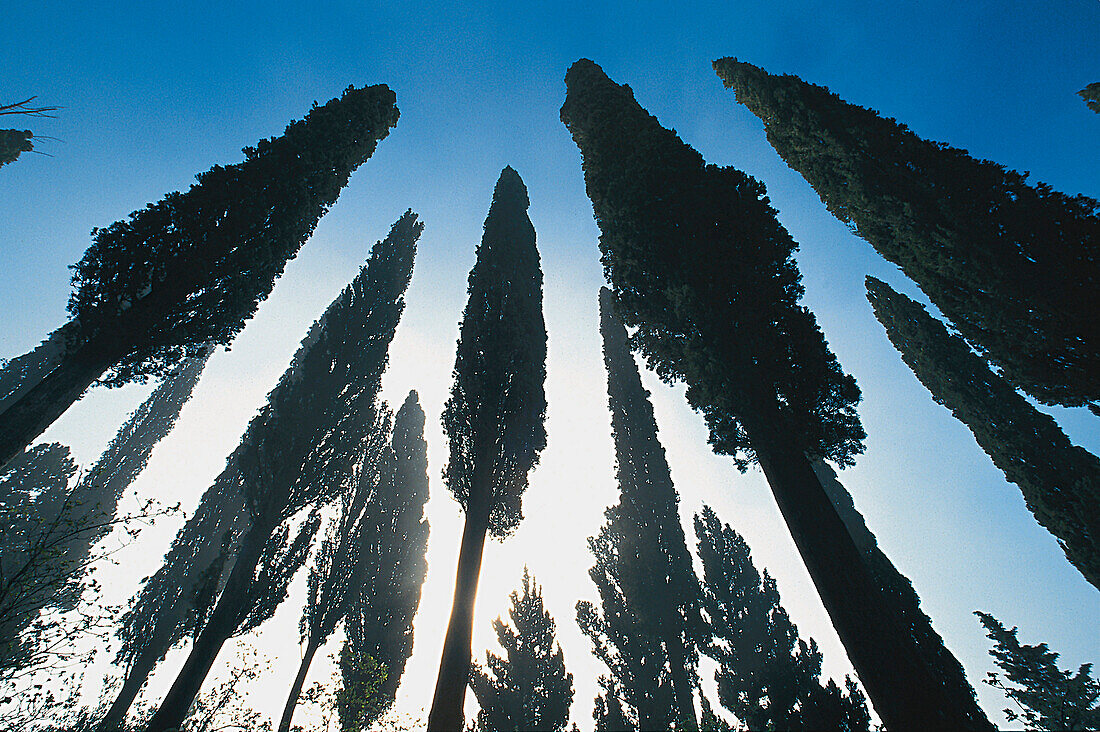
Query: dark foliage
point(387, 577)
point(528, 689)
point(768, 677)
point(190, 269)
point(1091, 95)
point(1013, 265)
point(1048, 697)
point(494, 418)
point(52, 523)
point(650, 623)
point(300, 450)
point(13, 143)
point(1060, 481)
point(700, 265)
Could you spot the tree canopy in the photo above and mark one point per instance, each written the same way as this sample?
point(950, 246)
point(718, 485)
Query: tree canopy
point(1059, 480)
point(1012, 264)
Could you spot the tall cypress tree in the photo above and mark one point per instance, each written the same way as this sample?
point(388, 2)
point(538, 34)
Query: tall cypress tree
point(299, 452)
point(1013, 265)
point(529, 689)
point(193, 267)
point(373, 555)
point(332, 577)
point(494, 419)
point(1060, 481)
point(767, 676)
point(643, 566)
point(701, 266)
point(51, 525)
point(389, 575)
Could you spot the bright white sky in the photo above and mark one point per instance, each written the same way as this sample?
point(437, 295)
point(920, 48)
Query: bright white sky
point(152, 98)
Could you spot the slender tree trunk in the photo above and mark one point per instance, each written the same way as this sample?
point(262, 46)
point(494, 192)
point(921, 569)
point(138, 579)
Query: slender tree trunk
point(223, 622)
point(296, 688)
point(903, 690)
point(38, 407)
point(683, 690)
point(135, 678)
point(454, 666)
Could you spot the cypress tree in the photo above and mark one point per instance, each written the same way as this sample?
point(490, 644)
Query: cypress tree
point(1012, 265)
point(1060, 481)
point(768, 677)
point(1048, 697)
point(332, 577)
point(494, 418)
point(389, 576)
point(52, 525)
point(372, 562)
point(193, 267)
point(529, 689)
point(700, 265)
point(642, 557)
point(174, 601)
point(299, 452)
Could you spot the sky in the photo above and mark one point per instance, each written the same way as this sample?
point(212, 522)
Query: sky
point(153, 94)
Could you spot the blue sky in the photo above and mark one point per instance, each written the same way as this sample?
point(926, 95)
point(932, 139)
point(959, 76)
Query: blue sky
point(155, 93)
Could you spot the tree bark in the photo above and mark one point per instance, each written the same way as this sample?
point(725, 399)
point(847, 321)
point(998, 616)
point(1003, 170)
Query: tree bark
point(223, 622)
point(903, 690)
point(136, 676)
point(454, 667)
point(39, 406)
point(296, 688)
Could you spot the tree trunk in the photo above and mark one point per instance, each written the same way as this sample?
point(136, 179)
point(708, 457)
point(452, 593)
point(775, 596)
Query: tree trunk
point(903, 690)
point(683, 690)
point(454, 666)
point(223, 622)
point(136, 676)
point(38, 407)
point(296, 688)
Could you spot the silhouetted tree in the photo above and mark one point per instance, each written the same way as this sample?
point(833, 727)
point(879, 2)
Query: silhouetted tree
point(767, 677)
point(650, 623)
point(494, 417)
point(299, 452)
point(192, 268)
point(1048, 697)
point(700, 265)
point(529, 689)
point(1091, 95)
point(1060, 481)
point(52, 524)
point(372, 563)
point(1013, 265)
point(333, 581)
